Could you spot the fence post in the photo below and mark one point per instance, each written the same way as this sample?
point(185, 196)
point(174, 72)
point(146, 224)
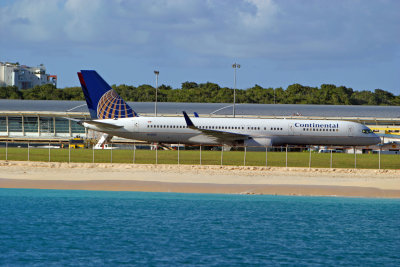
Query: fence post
point(134, 153)
point(111, 151)
point(156, 153)
point(28, 151)
point(309, 159)
point(244, 157)
point(49, 153)
point(266, 156)
point(355, 158)
point(6, 150)
point(222, 155)
point(93, 153)
point(379, 157)
point(200, 156)
point(331, 159)
point(286, 154)
point(178, 154)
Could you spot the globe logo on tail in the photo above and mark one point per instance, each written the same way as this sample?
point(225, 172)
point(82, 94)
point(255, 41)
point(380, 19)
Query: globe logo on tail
point(111, 106)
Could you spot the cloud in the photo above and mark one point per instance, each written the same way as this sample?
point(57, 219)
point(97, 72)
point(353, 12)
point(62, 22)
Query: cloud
point(266, 29)
point(23, 21)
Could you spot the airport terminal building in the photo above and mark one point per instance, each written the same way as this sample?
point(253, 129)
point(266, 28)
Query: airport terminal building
point(41, 125)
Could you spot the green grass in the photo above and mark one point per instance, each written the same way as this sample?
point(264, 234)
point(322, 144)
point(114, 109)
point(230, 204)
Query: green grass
point(192, 157)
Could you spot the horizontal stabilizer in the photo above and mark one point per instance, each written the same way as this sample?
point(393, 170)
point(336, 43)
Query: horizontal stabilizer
point(72, 119)
point(104, 125)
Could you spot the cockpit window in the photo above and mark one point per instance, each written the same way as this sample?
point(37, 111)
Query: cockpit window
point(367, 131)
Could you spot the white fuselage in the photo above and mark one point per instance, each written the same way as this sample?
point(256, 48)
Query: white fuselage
point(261, 132)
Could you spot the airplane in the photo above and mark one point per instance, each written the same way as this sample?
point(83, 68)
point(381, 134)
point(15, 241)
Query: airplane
point(111, 115)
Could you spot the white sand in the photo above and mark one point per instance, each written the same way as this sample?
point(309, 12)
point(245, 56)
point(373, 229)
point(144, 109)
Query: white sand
point(206, 175)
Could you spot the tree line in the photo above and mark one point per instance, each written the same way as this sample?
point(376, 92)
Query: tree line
point(328, 94)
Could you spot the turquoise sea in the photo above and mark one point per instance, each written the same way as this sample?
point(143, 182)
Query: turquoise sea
point(95, 228)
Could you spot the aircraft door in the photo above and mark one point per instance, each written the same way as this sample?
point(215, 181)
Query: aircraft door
point(351, 130)
point(136, 127)
point(291, 129)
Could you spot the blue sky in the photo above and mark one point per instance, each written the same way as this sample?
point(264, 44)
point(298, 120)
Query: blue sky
point(355, 43)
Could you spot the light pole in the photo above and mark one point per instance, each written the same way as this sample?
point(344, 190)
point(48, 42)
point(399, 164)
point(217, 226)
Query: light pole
point(234, 66)
point(156, 72)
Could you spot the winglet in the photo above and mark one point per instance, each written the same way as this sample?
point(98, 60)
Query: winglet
point(196, 114)
point(188, 120)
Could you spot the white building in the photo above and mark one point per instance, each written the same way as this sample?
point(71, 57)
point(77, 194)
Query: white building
point(24, 77)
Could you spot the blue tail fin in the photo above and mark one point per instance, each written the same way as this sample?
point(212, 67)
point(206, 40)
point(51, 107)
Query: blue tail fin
point(102, 101)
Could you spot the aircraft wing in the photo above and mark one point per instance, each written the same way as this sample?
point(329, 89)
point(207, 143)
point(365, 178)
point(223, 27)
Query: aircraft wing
point(221, 136)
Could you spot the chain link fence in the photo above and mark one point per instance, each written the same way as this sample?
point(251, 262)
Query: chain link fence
point(283, 156)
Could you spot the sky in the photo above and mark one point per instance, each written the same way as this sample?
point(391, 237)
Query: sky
point(355, 43)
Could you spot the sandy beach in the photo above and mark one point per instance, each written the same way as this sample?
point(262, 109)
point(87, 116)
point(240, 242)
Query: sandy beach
point(201, 179)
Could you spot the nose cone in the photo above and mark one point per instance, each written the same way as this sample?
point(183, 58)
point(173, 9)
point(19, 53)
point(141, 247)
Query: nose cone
point(376, 139)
